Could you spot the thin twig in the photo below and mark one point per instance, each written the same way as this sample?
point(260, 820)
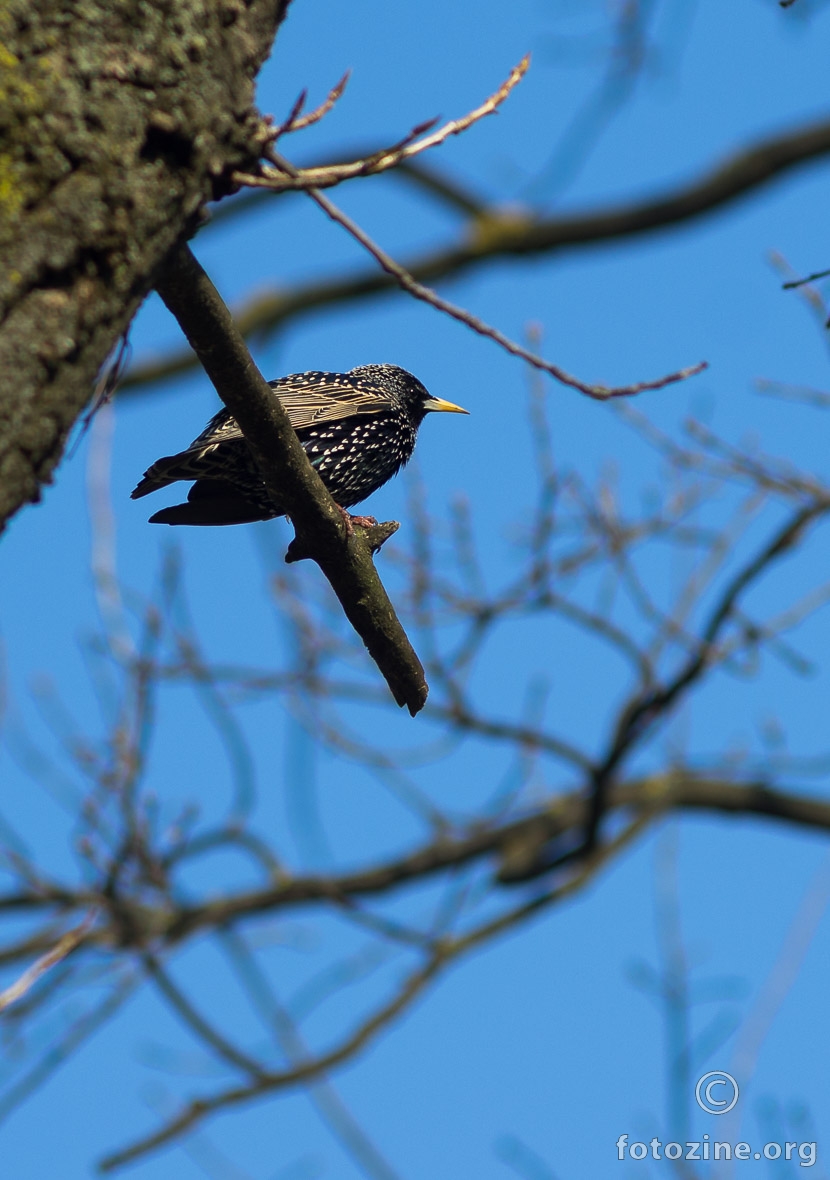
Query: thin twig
point(384, 159)
point(819, 274)
point(63, 947)
point(309, 1069)
point(298, 122)
point(410, 284)
point(198, 1025)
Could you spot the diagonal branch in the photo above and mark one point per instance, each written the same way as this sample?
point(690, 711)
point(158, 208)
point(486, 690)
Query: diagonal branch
point(648, 706)
point(410, 284)
point(197, 1024)
point(648, 798)
point(346, 560)
point(302, 1072)
point(445, 188)
point(63, 947)
point(444, 951)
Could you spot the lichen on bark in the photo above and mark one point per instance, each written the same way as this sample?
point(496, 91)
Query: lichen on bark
point(118, 120)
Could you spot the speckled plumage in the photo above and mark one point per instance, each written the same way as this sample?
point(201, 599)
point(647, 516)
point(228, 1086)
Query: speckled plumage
point(357, 428)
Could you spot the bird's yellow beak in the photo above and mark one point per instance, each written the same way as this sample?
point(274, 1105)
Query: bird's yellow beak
point(438, 403)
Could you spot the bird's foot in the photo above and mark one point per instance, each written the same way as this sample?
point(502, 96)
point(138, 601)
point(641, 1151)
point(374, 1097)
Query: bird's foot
point(376, 535)
point(362, 522)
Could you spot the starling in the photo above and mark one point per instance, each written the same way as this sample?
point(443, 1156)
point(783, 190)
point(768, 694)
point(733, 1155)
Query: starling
point(357, 428)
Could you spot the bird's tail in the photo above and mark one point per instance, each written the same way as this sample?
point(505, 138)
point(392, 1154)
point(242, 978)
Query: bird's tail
point(207, 514)
point(212, 502)
point(163, 472)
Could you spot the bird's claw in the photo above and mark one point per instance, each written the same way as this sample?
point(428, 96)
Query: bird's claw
point(361, 522)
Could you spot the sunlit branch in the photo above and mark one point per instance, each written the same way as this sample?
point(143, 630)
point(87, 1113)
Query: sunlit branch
point(277, 180)
point(64, 946)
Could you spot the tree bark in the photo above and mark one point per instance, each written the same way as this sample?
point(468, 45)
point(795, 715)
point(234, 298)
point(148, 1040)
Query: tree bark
point(118, 121)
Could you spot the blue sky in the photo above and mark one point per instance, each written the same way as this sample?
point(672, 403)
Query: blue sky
point(538, 1049)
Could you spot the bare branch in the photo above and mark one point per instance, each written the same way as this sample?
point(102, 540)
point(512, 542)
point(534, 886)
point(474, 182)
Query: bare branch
point(678, 789)
point(410, 284)
point(558, 817)
point(497, 235)
point(648, 797)
point(198, 1025)
point(436, 182)
point(647, 707)
point(819, 274)
point(444, 951)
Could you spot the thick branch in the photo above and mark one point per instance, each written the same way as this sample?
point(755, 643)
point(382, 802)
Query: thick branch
point(521, 848)
point(648, 797)
point(516, 844)
point(346, 560)
point(495, 234)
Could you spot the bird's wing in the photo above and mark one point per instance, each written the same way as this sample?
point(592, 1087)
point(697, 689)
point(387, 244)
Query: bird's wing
point(308, 399)
point(221, 428)
point(312, 398)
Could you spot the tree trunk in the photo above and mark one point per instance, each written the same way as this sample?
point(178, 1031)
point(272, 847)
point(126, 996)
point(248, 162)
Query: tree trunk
point(118, 120)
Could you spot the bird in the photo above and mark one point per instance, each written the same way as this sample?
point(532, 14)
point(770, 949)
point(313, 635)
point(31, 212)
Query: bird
point(357, 428)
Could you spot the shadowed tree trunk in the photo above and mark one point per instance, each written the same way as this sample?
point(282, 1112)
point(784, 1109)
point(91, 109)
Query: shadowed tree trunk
point(117, 122)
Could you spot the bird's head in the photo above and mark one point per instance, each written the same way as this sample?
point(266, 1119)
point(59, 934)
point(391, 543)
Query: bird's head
point(401, 386)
